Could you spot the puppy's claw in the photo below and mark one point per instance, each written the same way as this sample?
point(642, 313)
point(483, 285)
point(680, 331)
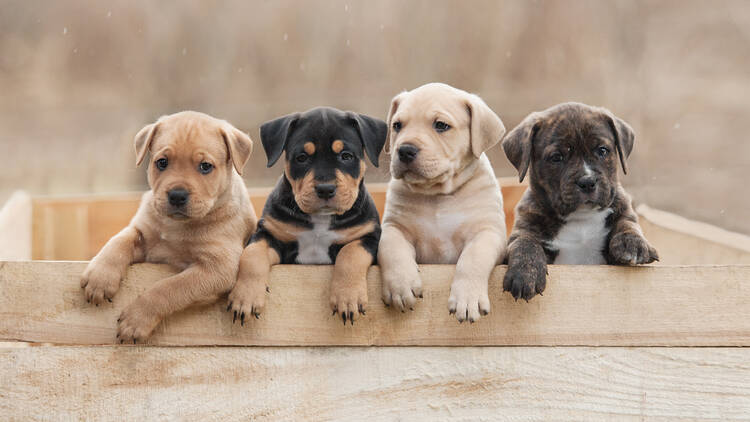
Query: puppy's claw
point(242, 319)
point(343, 317)
point(229, 306)
point(235, 317)
point(268, 290)
point(351, 317)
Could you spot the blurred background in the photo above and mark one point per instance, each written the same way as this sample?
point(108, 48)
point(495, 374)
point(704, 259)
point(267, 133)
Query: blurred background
point(78, 79)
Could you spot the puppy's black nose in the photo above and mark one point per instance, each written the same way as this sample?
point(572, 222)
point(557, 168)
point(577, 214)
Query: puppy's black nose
point(587, 183)
point(178, 197)
point(407, 153)
point(325, 191)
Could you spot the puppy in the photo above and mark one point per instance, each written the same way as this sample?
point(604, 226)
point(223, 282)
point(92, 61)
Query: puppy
point(196, 218)
point(319, 212)
point(575, 210)
point(443, 204)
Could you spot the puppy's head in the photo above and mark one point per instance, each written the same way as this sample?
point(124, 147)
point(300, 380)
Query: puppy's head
point(193, 156)
point(325, 150)
point(572, 150)
point(436, 130)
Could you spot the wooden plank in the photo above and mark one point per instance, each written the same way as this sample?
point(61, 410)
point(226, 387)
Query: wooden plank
point(15, 227)
point(683, 241)
point(376, 384)
point(583, 305)
point(76, 227)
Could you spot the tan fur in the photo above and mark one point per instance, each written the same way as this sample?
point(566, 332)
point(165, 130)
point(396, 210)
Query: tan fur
point(348, 293)
point(282, 231)
point(304, 191)
point(309, 148)
point(446, 207)
point(349, 234)
point(248, 296)
point(337, 146)
point(205, 245)
point(347, 190)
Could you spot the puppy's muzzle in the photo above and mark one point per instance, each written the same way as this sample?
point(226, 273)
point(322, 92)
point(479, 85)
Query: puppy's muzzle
point(178, 198)
point(587, 184)
point(325, 191)
point(407, 153)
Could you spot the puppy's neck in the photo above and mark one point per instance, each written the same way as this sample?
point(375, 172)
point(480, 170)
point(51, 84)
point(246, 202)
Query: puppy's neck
point(448, 183)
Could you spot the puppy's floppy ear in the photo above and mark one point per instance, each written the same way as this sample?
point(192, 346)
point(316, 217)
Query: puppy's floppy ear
point(519, 142)
point(239, 145)
point(486, 127)
point(143, 140)
point(274, 135)
point(624, 137)
point(372, 132)
point(389, 121)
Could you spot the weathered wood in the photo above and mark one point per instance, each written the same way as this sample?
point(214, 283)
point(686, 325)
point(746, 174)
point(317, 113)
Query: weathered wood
point(466, 383)
point(683, 241)
point(15, 227)
point(583, 305)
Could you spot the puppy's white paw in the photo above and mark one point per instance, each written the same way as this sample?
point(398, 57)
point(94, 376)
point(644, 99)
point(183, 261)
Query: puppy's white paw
point(469, 300)
point(402, 288)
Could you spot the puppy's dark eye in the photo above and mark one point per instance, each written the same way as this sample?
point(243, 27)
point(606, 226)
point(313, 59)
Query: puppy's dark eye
point(346, 156)
point(441, 127)
point(555, 158)
point(396, 126)
point(205, 167)
point(161, 164)
point(301, 158)
point(602, 151)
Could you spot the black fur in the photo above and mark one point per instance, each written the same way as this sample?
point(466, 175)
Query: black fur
point(322, 126)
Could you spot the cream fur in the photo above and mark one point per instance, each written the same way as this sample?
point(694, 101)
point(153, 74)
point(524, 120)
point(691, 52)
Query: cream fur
point(447, 208)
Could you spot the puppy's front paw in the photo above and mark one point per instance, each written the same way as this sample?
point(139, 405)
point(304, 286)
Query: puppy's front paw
point(627, 248)
point(247, 298)
point(401, 289)
point(525, 280)
point(137, 322)
point(348, 297)
point(100, 282)
point(468, 300)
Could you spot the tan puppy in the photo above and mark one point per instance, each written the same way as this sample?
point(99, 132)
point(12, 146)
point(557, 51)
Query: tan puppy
point(443, 205)
point(196, 218)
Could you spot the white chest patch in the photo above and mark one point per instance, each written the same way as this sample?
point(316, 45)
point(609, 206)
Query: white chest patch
point(313, 244)
point(581, 239)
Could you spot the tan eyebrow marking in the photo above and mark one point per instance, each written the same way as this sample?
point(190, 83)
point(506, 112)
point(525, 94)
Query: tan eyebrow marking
point(309, 148)
point(337, 146)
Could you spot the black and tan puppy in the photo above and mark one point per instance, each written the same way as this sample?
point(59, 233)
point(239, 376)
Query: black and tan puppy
point(575, 210)
point(319, 212)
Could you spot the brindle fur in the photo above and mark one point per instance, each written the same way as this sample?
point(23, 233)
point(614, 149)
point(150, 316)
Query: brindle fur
point(575, 130)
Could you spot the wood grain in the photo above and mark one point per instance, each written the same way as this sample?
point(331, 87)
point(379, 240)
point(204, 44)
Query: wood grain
point(374, 384)
point(583, 305)
point(76, 227)
point(683, 241)
point(15, 227)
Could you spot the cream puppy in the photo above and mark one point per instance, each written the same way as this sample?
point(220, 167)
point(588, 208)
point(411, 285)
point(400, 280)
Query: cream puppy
point(443, 204)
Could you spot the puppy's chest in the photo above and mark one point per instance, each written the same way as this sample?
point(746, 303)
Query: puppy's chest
point(581, 240)
point(313, 245)
point(437, 241)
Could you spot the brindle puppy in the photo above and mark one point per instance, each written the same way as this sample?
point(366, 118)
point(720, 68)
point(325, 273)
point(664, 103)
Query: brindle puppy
point(319, 212)
point(575, 210)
